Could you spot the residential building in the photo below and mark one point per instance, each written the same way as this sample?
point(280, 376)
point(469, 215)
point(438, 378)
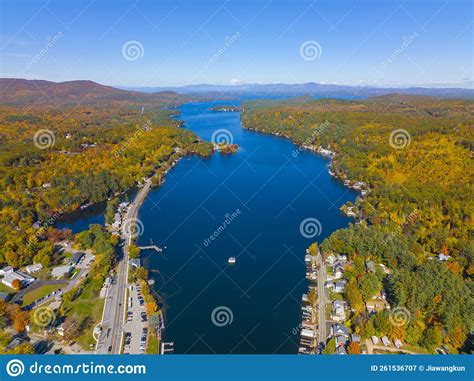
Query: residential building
point(339, 286)
point(24, 279)
point(385, 341)
point(34, 268)
point(338, 312)
point(76, 258)
point(6, 270)
point(61, 271)
point(376, 305)
point(308, 333)
point(339, 330)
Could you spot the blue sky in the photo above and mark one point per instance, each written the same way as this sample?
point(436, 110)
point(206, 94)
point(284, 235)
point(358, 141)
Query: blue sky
point(261, 41)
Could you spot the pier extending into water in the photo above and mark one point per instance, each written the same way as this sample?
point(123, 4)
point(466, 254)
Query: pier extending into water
point(151, 247)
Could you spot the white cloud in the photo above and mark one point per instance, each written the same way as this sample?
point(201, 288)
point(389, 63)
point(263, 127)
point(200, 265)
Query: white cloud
point(235, 81)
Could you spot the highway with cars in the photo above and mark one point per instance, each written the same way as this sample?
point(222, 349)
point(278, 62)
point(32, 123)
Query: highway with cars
point(114, 315)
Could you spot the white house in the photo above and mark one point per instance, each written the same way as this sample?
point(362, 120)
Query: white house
point(33, 268)
point(375, 340)
point(61, 271)
point(6, 270)
point(338, 313)
point(385, 341)
point(24, 279)
point(340, 286)
point(443, 258)
point(308, 333)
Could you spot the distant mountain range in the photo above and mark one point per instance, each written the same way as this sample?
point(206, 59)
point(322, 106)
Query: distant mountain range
point(15, 91)
point(310, 88)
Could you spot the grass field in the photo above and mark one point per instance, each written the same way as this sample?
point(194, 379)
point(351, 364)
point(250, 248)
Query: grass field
point(31, 296)
point(87, 310)
point(153, 345)
point(6, 289)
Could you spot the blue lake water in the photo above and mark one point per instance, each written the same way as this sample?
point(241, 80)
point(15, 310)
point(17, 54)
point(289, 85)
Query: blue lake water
point(253, 203)
point(267, 191)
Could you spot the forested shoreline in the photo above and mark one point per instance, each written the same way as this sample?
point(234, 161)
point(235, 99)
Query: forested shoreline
point(418, 207)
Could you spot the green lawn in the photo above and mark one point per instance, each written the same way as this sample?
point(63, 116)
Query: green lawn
point(6, 289)
point(153, 345)
point(31, 296)
point(87, 310)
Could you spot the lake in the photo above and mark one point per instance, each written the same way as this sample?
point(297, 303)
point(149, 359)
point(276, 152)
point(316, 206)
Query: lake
point(252, 204)
point(248, 205)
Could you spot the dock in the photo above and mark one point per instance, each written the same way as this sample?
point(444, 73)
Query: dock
point(167, 348)
point(151, 247)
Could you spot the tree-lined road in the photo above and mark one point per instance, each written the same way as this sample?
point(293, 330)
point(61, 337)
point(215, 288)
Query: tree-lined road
point(111, 337)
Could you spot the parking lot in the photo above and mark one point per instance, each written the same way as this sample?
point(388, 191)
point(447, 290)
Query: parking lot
point(136, 326)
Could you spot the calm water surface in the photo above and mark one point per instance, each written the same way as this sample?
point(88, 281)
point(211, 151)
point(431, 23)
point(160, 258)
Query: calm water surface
point(270, 192)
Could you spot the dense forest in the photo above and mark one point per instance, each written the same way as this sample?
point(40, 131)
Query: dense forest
point(418, 204)
point(55, 158)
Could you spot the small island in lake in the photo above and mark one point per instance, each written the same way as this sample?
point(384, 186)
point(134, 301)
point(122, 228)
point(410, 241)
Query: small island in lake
point(226, 148)
point(226, 108)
